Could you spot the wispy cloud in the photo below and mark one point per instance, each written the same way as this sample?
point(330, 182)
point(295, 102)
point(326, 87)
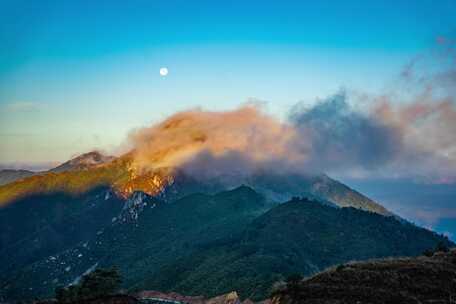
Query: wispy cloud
point(432, 216)
point(24, 106)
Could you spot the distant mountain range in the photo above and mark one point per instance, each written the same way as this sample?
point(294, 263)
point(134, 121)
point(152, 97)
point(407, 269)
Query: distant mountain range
point(82, 162)
point(169, 231)
point(9, 175)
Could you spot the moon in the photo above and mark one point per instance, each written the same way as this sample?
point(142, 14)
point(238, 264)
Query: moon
point(163, 71)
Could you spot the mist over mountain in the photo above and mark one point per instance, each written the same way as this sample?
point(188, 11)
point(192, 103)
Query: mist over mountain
point(84, 161)
point(428, 205)
point(155, 223)
point(207, 202)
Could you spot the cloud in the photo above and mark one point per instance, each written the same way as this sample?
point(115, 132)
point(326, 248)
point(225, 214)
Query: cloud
point(341, 137)
point(23, 106)
point(431, 217)
point(414, 140)
point(448, 234)
point(401, 134)
point(184, 137)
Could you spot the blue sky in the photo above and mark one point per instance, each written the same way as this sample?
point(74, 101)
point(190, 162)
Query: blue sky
point(77, 75)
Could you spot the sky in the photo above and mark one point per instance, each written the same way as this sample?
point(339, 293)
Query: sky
point(81, 75)
point(78, 75)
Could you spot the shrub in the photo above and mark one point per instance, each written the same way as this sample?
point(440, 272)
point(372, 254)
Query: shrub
point(340, 267)
point(293, 284)
point(101, 282)
point(428, 253)
point(442, 247)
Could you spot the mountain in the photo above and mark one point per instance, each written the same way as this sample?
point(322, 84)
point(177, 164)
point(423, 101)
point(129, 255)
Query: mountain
point(388, 281)
point(144, 234)
point(9, 175)
point(297, 236)
point(73, 182)
point(83, 162)
point(172, 231)
point(41, 225)
point(199, 244)
point(282, 187)
point(92, 170)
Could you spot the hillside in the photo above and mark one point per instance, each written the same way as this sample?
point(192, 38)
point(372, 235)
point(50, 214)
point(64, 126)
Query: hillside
point(200, 244)
point(404, 280)
point(38, 226)
point(298, 236)
point(119, 175)
point(142, 236)
point(320, 187)
point(8, 175)
point(84, 162)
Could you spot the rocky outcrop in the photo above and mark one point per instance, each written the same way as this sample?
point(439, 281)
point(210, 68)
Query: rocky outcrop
point(158, 296)
point(229, 298)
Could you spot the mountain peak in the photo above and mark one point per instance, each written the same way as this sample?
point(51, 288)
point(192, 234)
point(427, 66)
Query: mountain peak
point(244, 191)
point(84, 161)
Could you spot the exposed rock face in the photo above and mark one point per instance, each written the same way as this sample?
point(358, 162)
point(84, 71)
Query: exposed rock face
point(229, 298)
point(403, 280)
point(157, 296)
point(135, 205)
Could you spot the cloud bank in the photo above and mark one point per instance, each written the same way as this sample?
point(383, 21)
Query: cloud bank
point(415, 140)
point(409, 132)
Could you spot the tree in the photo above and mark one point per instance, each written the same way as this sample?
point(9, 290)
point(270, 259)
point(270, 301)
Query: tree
point(294, 279)
point(429, 253)
point(99, 283)
point(293, 285)
point(67, 294)
point(443, 247)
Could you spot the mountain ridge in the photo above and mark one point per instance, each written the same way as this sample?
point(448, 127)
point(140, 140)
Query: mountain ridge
point(10, 175)
point(423, 279)
point(297, 236)
point(91, 170)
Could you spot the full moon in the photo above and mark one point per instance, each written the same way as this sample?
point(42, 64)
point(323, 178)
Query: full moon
point(163, 71)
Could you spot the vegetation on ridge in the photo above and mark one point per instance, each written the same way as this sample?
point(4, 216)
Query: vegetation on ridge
point(387, 281)
point(99, 283)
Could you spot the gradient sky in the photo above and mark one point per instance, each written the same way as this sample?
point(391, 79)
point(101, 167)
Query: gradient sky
point(78, 75)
